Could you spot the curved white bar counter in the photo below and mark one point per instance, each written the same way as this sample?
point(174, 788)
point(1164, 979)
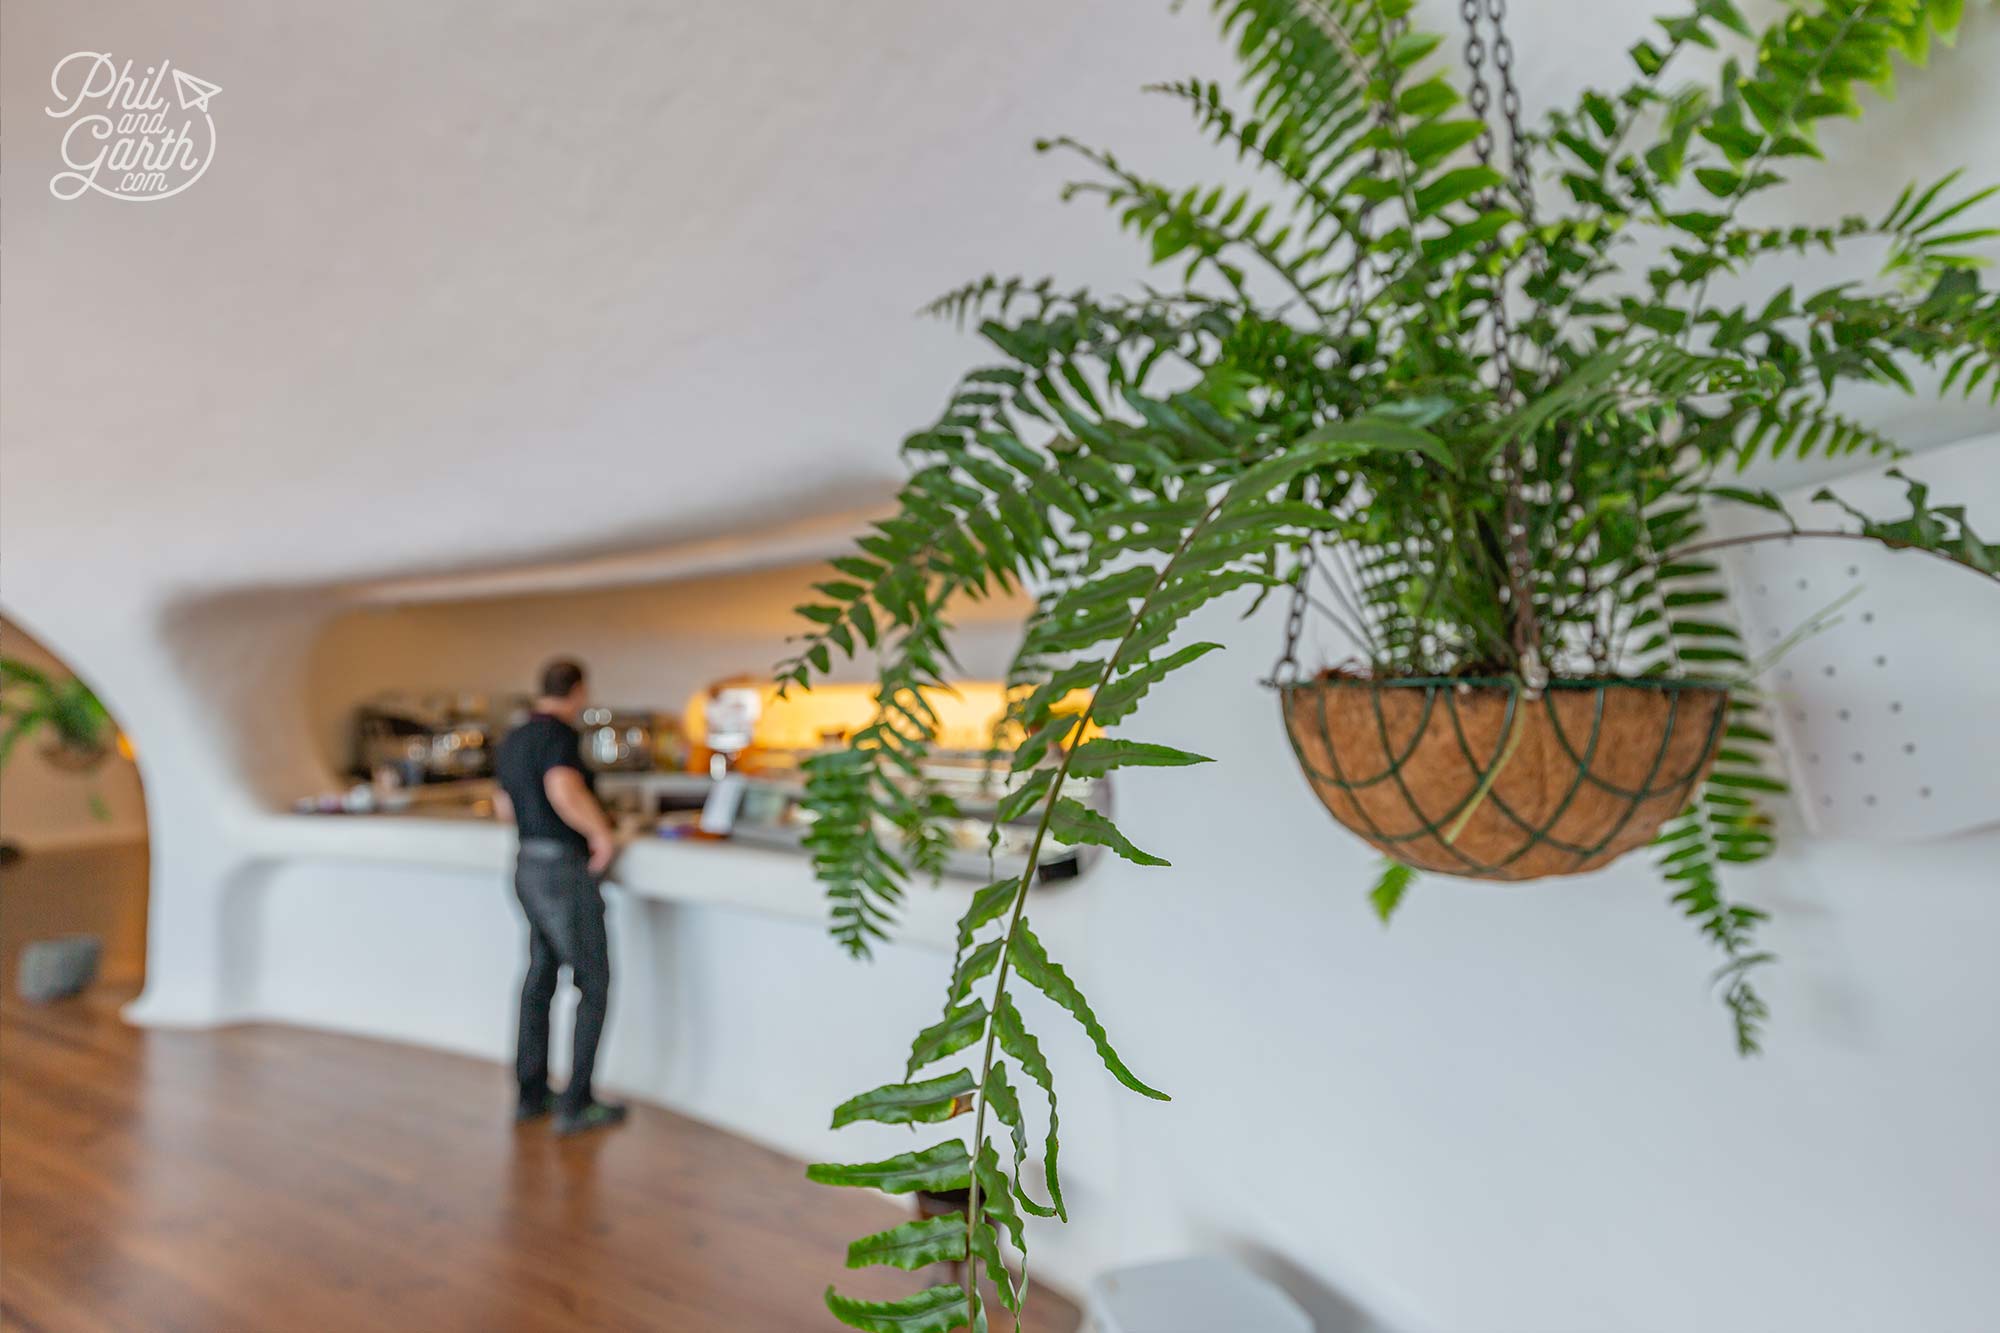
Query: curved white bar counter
point(670, 870)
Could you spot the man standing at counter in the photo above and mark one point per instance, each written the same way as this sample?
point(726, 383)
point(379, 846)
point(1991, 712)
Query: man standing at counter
point(566, 846)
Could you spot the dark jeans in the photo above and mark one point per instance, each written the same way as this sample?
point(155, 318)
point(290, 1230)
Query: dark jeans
point(565, 909)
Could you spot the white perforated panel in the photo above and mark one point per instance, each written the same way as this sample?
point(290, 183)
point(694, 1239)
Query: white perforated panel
point(1890, 720)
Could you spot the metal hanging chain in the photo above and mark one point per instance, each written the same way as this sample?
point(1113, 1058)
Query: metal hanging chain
point(1285, 671)
point(1526, 633)
point(1510, 106)
point(1477, 95)
point(1350, 288)
point(1480, 99)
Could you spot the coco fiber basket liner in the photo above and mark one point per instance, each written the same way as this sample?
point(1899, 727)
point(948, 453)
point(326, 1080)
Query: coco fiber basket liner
point(1478, 778)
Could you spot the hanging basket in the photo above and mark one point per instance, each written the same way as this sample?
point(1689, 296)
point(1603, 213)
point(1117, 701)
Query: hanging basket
point(1479, 778)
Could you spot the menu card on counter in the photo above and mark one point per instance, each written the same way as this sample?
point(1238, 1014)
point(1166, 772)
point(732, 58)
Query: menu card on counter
point(718, 812)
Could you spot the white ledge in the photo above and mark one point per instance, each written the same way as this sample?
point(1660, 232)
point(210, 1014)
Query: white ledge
point(720, 874)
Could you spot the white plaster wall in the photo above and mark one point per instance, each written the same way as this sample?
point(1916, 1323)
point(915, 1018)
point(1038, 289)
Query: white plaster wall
point(474, 285)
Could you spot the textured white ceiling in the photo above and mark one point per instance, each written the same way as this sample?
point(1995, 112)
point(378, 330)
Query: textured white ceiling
point(472, 283)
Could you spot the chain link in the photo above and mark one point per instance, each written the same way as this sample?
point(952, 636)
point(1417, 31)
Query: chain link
point(1510, 103)
point(1480, 98)
point(1526, 633)
point(1285, 670)
point(1477, 94)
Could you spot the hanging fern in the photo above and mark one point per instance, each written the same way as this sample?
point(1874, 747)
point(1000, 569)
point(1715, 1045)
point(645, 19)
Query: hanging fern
point(1392, 383)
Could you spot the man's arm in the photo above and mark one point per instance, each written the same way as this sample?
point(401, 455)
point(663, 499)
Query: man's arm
point(579, 809)
point(503, 806)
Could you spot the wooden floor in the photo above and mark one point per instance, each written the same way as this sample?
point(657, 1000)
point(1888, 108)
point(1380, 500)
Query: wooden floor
point(271, 1180)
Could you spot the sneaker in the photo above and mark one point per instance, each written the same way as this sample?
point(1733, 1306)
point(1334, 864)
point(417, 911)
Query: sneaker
point(534, 1107)
point(597, 1115)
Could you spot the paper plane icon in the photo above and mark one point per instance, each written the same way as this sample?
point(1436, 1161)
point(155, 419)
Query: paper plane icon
point(194, 93)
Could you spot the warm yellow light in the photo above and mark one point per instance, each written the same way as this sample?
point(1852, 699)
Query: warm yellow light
point(125, 749)
point(825, 715)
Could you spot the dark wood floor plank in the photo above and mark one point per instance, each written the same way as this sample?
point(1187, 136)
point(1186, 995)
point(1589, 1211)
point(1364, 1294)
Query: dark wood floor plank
point(260, 1178)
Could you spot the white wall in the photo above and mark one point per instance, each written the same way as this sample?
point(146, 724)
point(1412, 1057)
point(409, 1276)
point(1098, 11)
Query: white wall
point(42, 806)
point(612, 275)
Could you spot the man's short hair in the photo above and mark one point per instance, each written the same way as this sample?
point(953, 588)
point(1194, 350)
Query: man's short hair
point(560, 677)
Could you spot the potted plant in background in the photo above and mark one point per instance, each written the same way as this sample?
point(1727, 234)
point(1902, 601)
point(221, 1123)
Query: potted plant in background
point(77, 736)
point(1427, 382)
point(76, 730)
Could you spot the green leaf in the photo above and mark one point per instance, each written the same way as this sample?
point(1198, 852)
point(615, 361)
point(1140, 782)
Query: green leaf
point(1758, 499)
point(1022, 1048)
point(1034, 966)
point(1435, 140)
point(1098, 757)
point(927, 1102)
point(1387, 895)
point(1117, 700)
point(988, 902)
point(997, 1199)
point(1005, 1104)
point(1076, 824)
point(1468, 236)
point(1702, 225)
point(1026, 796)
point(1425, 100)
point(979, 963)
point(932, 1310)
point(1718, 182)
point(946, 1166)
point(1454, 185)
point(1337, 442)
point(958, 1029)
point(1410, 47)
point(912, 1245)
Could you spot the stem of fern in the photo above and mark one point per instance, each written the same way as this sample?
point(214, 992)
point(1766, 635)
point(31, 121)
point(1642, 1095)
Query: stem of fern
point(1021, 902)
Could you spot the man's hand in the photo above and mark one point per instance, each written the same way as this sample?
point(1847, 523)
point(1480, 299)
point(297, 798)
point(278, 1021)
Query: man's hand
point(603, 851)
point(576, 807)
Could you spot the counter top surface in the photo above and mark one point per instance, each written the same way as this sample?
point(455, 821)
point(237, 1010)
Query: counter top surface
point(676, 870)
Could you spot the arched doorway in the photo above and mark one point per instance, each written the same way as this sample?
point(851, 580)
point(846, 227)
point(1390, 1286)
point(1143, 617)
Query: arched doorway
point(72, 821)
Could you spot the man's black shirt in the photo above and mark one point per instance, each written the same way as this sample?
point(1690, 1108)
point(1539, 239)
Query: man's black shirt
point(541, 743)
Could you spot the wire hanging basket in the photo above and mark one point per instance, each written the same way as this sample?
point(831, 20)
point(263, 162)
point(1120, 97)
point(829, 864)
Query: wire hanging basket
point(1483, 779)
